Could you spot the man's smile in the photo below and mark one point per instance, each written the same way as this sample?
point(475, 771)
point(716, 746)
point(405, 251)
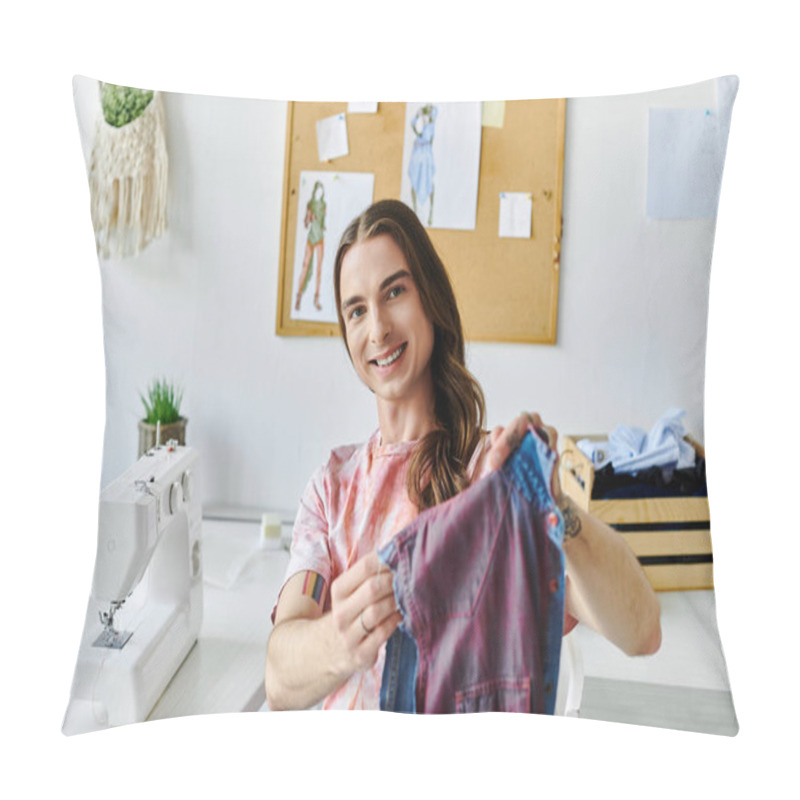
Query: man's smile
point(391, 357)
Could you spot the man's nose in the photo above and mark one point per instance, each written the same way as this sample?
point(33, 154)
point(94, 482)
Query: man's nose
point(380, 326)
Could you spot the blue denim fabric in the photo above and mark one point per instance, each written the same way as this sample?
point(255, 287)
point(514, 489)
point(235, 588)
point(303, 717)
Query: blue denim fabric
point(480, 583)
point(399, 681)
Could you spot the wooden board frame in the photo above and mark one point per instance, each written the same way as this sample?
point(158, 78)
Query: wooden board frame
point(515, 297)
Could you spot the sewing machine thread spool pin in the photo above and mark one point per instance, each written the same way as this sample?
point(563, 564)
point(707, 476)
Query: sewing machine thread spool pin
point(144, 485)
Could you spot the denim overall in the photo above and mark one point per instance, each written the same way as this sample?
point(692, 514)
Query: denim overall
point(480, 582)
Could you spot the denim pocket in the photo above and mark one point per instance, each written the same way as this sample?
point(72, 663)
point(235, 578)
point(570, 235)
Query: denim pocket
point(497, 694)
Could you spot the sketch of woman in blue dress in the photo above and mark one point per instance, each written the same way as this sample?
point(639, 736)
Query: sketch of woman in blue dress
point(421, 168)
point(315, 243)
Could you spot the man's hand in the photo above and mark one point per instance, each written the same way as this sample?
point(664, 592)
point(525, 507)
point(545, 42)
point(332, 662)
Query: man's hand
point(364, 612)
point(503, 442)
point(606, 587)
point(310, 653)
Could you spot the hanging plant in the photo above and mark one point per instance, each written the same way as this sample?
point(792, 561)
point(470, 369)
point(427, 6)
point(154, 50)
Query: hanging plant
point(123, 104)
point(128, 172)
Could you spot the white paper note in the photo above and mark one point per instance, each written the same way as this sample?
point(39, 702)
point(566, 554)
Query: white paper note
point(493, 114)
point(332, 137)
point(516, 212)
point(684, 163)
point(362, 108)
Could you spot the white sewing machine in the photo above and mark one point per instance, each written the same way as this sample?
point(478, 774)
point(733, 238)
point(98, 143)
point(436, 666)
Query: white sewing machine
point(146, 605)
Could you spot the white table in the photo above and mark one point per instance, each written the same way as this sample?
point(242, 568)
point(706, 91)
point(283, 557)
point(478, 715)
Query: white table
point(684, 685)
point(224, 671)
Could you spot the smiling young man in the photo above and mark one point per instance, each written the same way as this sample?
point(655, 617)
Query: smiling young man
point(402, 330)
point(389, 337)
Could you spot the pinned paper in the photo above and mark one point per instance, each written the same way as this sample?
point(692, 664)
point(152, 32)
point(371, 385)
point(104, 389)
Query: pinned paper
point(362, 108)
point(516, 212)
point(332, 137)
point(685, 154)
point(493, 113)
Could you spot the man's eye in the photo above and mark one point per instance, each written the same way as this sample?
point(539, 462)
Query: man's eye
point(356, 312)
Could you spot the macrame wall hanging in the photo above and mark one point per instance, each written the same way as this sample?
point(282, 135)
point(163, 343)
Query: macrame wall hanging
point(128, 172)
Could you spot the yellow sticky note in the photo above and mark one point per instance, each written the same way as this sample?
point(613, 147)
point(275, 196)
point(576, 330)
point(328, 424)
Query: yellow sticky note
point(494, 112)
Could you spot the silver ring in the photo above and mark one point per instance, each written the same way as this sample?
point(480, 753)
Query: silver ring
point(367, 631)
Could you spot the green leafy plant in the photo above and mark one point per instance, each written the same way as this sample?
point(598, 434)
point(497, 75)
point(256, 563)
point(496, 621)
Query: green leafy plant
point(162, 404)
point(123, 104)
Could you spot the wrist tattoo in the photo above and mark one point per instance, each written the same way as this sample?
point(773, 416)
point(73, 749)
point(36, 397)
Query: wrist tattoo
point(572, 522)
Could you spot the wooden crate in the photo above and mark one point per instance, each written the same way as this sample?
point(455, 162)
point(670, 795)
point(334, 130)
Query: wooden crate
point(671, 536)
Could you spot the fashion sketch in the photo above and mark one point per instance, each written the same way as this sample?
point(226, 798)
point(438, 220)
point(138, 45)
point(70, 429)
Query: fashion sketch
point(421, 168)
point(315, 243)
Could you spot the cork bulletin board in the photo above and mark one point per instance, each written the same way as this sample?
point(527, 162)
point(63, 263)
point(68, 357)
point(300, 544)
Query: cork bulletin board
point(507, 289)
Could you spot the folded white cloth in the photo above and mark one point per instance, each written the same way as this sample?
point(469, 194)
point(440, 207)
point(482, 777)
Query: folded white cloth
point(631, 450)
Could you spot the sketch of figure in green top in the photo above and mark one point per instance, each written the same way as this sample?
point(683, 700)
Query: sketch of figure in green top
point(315, 243)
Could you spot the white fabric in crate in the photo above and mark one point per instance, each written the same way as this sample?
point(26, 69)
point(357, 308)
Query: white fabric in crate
point(632, 449)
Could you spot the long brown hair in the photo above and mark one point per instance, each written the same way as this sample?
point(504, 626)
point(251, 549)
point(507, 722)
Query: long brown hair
point(438, 466)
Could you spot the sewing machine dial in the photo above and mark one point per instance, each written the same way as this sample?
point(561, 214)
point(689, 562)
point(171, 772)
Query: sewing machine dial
point(175, 497)
point(187, 482)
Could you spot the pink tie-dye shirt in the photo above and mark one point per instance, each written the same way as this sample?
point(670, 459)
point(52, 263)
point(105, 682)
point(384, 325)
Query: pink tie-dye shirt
point(354, 503)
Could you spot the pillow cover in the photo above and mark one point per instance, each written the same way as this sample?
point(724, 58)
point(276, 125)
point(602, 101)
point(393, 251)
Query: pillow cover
point(196, 215)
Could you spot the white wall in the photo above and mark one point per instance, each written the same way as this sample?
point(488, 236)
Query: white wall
point(198, 306)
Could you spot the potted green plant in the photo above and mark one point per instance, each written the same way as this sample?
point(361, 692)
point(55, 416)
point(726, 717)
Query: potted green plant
point(162, 420)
